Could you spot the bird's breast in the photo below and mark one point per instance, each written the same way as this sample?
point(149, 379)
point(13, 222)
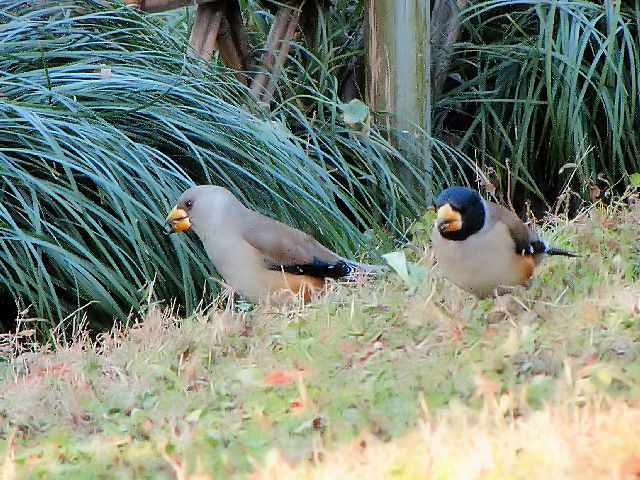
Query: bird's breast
point(482, 262)
point(237, 261)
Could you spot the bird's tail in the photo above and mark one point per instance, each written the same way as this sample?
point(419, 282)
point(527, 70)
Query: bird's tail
point(558, 251)
point(365, 269)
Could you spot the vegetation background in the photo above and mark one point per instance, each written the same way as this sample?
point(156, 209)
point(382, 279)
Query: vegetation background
point(404, 377)
point(104, 120)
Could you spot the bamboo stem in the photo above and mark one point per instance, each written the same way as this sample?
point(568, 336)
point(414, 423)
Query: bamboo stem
point(278, 45)
point(398, 82)
point(205, 31)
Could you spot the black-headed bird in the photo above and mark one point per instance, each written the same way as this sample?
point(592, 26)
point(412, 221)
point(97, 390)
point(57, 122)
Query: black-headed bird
point(480, 245)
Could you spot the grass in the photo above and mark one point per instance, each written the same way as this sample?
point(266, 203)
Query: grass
point(542, 84)
point(104, 122)
point(388, 379)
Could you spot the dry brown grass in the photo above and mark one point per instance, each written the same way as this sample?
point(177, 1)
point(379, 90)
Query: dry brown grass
point(555, 443)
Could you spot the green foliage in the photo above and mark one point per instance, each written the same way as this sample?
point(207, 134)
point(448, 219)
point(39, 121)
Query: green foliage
point(412, 275)
point(355, 112)
point(105, 121)
point(545, 84)
point(325, 67)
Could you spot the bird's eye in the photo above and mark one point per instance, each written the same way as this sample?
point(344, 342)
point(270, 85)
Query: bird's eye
point(188, 203)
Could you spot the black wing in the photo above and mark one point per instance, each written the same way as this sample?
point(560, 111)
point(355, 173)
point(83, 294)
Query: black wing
point(317, 268)
point(539, 246)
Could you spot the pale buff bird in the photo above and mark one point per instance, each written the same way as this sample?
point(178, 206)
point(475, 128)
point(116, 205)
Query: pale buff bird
point(256, 255)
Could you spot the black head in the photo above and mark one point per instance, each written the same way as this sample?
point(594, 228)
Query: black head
point(461, 213)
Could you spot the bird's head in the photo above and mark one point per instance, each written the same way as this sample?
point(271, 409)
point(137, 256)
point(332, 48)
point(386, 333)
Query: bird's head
point(461, 212)
point(199, 206)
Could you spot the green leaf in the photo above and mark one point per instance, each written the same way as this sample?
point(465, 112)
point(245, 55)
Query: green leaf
point(398, 261)
point(634, 179)
point(412, 275)
point(356, 111)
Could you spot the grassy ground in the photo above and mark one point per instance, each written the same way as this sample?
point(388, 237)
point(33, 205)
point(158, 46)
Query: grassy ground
point(390, 379)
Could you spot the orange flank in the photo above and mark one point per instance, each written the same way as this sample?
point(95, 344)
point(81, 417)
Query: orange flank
point(296, 284)
point(526, 264)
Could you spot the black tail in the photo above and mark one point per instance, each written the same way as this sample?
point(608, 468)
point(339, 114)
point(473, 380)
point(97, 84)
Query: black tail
point(557, 251)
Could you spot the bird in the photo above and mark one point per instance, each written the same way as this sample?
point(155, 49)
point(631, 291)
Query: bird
point(257, 256)
point(480, 245)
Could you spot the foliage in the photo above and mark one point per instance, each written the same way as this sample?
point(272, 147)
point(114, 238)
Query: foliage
point(540, 93)
point(104, 121)
point(547, 85)
point(379, 380)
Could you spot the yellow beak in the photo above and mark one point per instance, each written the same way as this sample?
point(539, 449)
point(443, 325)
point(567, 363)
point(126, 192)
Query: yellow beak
point(178, 220)
point(448, 219)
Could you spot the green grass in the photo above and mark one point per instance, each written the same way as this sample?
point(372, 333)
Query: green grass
point(105, 122)
point(543, 83)
point(377, 380)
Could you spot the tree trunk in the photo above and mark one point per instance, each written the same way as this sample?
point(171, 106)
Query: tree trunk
point(446, 30)
point(399, 81)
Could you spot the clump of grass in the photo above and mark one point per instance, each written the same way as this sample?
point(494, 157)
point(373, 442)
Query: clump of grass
point(457, 443)
point(371, 380)
point(105, 121)
point(540, 84)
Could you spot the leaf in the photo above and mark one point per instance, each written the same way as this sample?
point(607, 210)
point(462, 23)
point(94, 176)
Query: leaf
point(283, 377)
point(604, 376)
point(398, 261)
point(194, 415)
point(356, 111)
point(412, 275)
point(634, 179)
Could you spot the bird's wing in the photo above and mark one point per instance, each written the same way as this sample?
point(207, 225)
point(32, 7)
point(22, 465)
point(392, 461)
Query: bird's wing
point(527, 240)
point(290, 250)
